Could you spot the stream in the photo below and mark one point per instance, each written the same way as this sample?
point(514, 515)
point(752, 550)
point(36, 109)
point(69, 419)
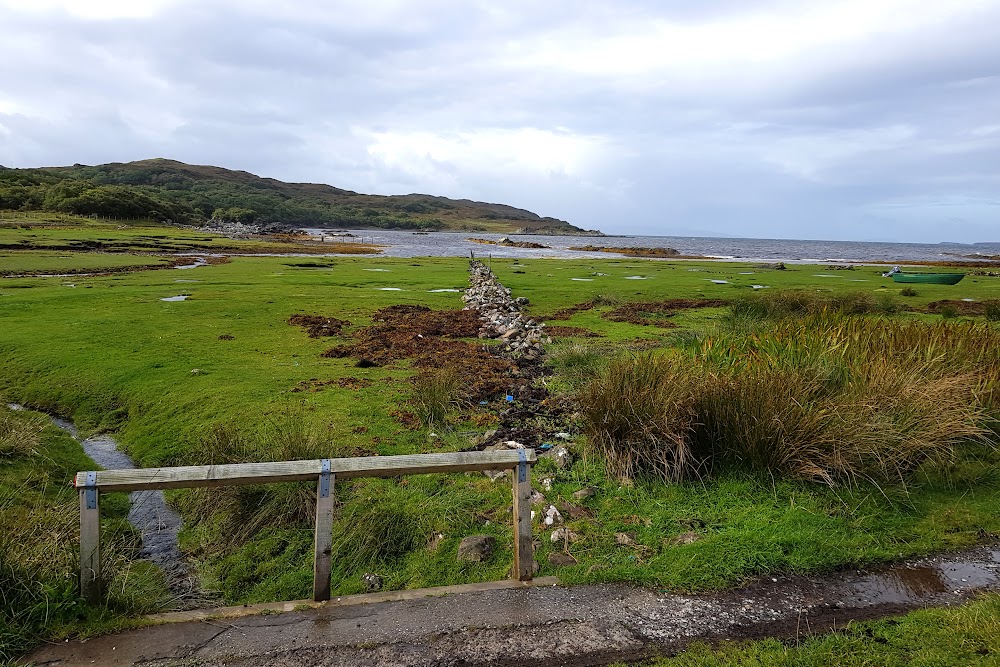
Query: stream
point(157, 524)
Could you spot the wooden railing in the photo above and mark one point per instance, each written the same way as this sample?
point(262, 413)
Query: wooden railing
point(91, 484)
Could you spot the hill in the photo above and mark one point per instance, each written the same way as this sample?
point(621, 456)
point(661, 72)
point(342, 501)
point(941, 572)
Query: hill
point(183, 193)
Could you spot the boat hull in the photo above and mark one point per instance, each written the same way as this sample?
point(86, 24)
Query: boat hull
point(925, 278)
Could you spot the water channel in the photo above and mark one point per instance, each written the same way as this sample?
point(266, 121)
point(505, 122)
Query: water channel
point(158, 525)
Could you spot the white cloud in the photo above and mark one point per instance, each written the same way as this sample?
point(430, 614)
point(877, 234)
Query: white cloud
point(522, 151)
point(91, 9)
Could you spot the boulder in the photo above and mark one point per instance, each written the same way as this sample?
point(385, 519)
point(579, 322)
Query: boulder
point(476, 548)
point(560, 559)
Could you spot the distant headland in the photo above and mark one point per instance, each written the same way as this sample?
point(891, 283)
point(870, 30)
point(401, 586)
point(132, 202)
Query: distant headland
point(182, 193)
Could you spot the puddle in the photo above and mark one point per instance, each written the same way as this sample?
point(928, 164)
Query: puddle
point(908, 584)
point(175, 298)
point(156, 522)
point(635, 278)
point(761, 286)
point(390, 289)
point(583, 280)
point(379, 270)
point(719, 282)
point(823, 275)
point(746, 273)
point(444, 290)
point(198, 261)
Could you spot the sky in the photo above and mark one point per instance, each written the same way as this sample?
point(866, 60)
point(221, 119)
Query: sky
point(841, 119)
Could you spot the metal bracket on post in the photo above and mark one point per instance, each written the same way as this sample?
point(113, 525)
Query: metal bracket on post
point(90, 490)
point(324, 479)
point(522, 466)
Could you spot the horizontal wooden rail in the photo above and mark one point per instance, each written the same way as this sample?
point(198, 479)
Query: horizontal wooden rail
point(91, 484)
point(232, 474)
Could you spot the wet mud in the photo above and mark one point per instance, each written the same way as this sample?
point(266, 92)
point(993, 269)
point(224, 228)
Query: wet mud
point(550, 625)
point(431, 340)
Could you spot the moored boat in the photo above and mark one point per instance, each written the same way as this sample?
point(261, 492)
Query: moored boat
point(932, 278)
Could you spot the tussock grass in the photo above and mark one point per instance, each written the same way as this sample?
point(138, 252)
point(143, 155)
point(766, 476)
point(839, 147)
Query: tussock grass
point(286, 436)
point(435, 393)
point(761, 307)
point(39, 544)
point(20, 434)
point(826, 398)
point(578, 363)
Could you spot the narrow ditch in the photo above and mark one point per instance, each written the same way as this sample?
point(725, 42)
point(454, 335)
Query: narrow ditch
point(158, 525)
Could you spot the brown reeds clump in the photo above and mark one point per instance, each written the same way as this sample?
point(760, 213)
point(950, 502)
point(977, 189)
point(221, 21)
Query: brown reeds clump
point(827, 398)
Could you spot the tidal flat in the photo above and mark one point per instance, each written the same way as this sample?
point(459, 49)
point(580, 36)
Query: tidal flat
point(223, 376)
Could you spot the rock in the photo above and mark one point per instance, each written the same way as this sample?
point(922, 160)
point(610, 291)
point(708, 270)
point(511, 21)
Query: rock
point(522, 301)
point(560, 559)
point(196, 371)
point(684, 538)
point(562, 535)
point(574, 511)
point(536, 497)
point(477, 548)
point(561, 455)
point(552, 516)
point(513, 444)
point(626, 539)
point(562, 435)
point(372, 582)
point(583, 494)
point(546, 483)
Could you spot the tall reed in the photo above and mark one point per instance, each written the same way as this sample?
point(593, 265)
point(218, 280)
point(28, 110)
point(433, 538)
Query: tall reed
point(824, 397)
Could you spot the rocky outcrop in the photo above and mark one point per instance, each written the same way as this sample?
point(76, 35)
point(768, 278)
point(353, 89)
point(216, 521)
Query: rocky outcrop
point(501, 314)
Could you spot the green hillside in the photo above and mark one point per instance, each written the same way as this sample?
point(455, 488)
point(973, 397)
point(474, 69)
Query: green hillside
point(167, 190)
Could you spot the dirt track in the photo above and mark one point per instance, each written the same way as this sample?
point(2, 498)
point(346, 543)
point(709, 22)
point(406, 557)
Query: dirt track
point(584, 625)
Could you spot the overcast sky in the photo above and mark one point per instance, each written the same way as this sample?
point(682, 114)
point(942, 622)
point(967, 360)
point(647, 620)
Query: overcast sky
point(842, 119)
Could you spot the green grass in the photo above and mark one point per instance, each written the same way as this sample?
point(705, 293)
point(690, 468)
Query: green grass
point(112, 356)
point(39, 542)
point(959, 636)
point(13, 263)
point(831, 398)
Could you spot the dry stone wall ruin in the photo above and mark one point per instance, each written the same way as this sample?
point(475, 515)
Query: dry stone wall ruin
point(501, 314)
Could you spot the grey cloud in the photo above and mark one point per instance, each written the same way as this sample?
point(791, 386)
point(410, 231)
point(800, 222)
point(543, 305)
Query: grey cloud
point(294, 93)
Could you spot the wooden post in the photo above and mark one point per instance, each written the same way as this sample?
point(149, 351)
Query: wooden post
point(324, 533)
point(523, 548)
point(90, 541)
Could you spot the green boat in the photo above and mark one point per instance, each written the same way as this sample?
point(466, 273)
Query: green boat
point(933, 278)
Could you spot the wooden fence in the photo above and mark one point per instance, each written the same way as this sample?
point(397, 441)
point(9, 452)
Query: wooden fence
point(91, 484)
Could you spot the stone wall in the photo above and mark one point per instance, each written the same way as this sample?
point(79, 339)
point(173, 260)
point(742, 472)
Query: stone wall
point(501, 314)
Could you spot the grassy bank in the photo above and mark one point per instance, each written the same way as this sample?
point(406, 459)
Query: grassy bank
point(39, 539)
point(223, 376)
point(966, 635)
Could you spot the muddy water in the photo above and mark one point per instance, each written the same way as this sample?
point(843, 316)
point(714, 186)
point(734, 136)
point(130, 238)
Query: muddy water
point(157, 524)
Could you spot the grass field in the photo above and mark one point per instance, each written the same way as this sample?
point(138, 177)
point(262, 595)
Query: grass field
point(223, 372)
point(967, 635)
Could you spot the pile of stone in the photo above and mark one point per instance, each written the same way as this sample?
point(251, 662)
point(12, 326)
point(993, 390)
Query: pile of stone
point(501, 315)
point(233, 230)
